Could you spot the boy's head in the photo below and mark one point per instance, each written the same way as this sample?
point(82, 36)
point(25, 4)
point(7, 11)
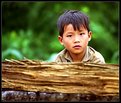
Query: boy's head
point(74, 32)
point(74, 17)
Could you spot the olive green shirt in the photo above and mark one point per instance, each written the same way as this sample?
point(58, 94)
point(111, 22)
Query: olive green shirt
point(91, 56)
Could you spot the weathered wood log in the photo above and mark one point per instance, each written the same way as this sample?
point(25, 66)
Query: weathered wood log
point(66, 78)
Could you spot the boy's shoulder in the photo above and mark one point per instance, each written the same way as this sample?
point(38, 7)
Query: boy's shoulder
point(94, 52)
point(60, 57)
point(62, 52)
point(95, 55)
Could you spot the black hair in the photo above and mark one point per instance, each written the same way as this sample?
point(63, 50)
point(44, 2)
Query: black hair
point(74, 17)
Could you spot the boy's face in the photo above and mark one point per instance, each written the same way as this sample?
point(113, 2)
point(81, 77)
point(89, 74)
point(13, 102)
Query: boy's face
point(75, 41)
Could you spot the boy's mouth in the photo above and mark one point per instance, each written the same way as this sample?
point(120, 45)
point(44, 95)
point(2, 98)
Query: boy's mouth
point(77, 46)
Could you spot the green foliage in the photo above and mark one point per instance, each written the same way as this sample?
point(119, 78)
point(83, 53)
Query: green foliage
point(29, 28)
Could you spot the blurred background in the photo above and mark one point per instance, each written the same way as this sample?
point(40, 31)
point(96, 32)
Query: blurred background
point(29, 28)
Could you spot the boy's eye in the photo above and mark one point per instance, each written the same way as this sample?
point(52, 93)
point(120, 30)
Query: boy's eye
point(69, 35)
point(82, 33)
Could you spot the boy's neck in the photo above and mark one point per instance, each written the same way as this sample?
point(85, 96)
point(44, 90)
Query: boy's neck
point(77, 57)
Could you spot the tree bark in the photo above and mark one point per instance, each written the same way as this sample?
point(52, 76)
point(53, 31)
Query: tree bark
point(66, 78)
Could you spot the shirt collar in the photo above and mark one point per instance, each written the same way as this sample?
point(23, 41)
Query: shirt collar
point(86, 57)
point(67, 56)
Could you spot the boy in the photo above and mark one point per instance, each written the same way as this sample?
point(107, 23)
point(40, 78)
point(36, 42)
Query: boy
point(74, 35)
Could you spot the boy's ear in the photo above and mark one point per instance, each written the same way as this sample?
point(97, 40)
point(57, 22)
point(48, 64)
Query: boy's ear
point(90, 35)
point(60, 38)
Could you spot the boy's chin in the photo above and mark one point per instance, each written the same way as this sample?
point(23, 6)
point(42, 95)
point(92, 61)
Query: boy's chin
point(76, 52)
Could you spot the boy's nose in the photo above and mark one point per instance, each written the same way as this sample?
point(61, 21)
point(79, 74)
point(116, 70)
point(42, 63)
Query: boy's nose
point(77, 39)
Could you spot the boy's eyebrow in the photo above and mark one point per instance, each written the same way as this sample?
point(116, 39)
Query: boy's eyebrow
point(70, 32)
point(81, 30)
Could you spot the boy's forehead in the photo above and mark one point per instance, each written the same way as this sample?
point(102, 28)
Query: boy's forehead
point(71, 26)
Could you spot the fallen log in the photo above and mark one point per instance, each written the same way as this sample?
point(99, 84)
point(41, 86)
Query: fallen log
point(99, 80)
